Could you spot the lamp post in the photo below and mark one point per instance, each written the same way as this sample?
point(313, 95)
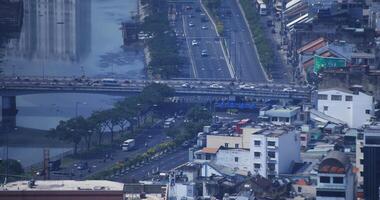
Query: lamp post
point(76, 107)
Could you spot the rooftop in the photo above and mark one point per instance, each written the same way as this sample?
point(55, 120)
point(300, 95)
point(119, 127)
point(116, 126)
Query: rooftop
point(335, 162)
point(280, 111)
point(64, 185)
point(273, 132)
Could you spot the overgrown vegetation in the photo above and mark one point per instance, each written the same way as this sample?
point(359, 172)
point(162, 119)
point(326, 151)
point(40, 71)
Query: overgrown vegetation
point(212, 7)
point(262, 43)
point(163, 50)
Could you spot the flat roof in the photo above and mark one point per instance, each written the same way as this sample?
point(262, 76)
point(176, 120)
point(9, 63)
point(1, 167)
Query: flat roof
point(272, 132)
point(64, 185)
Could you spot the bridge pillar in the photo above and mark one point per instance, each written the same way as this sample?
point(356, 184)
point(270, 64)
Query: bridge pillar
point(9, 112)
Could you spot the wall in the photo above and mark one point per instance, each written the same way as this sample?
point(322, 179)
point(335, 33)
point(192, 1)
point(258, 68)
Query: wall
point(226, 157)
point(263, 158)
point(286, 154)
point(215, 141)
point(61, 195)
point(344, 110)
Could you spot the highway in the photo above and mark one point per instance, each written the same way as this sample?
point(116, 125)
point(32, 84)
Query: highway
point(240, 44)
point(189, 27)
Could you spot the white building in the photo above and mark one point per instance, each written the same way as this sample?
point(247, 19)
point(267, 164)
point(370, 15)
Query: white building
point(234, 158)
point(280, 115)
point(335, 178)
point(354, 108)
point(273, 151)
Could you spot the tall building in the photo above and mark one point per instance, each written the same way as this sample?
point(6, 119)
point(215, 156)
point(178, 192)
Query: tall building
point(336, 179)
point(371, 162)
point(356, 108)
point(55, 29)
point(271, 154)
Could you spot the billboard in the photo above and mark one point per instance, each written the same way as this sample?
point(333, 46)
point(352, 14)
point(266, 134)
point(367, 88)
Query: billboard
point(328, 62)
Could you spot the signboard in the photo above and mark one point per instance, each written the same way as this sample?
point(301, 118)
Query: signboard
point(328, 62)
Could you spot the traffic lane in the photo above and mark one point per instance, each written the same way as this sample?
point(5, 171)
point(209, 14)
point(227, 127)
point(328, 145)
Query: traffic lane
point(214, 50)
point(211, 66)
point(100, 164)
point(164, 164)
point(248, 60)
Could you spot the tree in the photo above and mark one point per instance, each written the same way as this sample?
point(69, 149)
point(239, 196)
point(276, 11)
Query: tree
point(199, 114)
point(97, 118)
point(72, 130)
point(14, 167)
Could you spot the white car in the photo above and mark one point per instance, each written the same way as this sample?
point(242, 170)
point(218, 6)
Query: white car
point(246, 87)
point(191, 24)
point(185, 85)
point(289, 90)
point(216, 86)
point(204, 27)
point(204, 53)
point(194, 43)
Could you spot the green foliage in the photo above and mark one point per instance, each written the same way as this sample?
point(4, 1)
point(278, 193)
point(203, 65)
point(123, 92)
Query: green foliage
point(213, 6)
point(14, 167)
point(199, 114)
point(261, 41)
point(163, 49)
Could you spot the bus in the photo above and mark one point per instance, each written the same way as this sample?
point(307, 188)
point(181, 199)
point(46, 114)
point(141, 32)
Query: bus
point(109, 82)
point(128, 145)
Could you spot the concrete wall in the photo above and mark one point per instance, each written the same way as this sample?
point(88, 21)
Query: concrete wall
point(226, 157)
point(289, 148)
point(351, 112)
point(61, 195)
point(215, 141)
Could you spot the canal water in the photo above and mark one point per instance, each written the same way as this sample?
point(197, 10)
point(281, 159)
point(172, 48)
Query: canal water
point(69, 38)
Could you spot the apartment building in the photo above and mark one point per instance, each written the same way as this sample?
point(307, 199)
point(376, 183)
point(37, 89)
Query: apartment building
point(355, 108)
point(271, 154)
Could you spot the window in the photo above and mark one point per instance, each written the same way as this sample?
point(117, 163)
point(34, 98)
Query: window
point(348, 98)
point(325, 108)
point(271, 154)
point(257, 142)
point(367, 112)
point(336, 97)
point(361, 161)
point(208, 157)
point(271, 143)
point(299, 189)
point(237, 146)
point(257, 154)
point(361, 174)
point(274, 119)
point(361, 149)
point(324, 179)
point(226, 145)
point(303, 138)
point(330, 194)
point(338, 180)
point(256, 166)
point(322, 96)
point(236, 159)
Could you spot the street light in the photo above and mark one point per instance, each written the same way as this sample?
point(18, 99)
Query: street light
point(76, 107)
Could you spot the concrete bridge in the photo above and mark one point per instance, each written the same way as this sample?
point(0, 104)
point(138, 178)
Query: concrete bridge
point(10, 87)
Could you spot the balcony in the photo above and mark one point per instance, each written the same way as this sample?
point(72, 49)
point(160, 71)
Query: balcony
point(272, 148)
point(271, 160)
point(271, 171)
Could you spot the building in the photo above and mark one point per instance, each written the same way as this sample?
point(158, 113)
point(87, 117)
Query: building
point(359, 157)
point(371, 162)
point(355, 108)
point(271, 153)
point(233, 140)
point(280, 115)
point(63, 190)
point(336, 179)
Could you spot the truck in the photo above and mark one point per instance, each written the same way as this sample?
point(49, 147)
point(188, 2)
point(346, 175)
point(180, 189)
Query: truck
point(128, 145)
point(169, 122)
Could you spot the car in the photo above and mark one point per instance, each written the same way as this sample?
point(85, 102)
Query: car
point(82, 166)
point(215, 86)
point(194, 43)
point(204, 27)
point(289, 90)
point(150, 136)
point(204, 53)
point(186, 144)
point(185, 85)
point(191, 24)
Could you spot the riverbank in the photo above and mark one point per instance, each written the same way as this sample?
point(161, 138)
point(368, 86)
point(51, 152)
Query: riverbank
point(27, 137)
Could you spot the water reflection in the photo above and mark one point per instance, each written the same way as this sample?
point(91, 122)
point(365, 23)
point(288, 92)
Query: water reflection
point(70, 38)
point(55, 29)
